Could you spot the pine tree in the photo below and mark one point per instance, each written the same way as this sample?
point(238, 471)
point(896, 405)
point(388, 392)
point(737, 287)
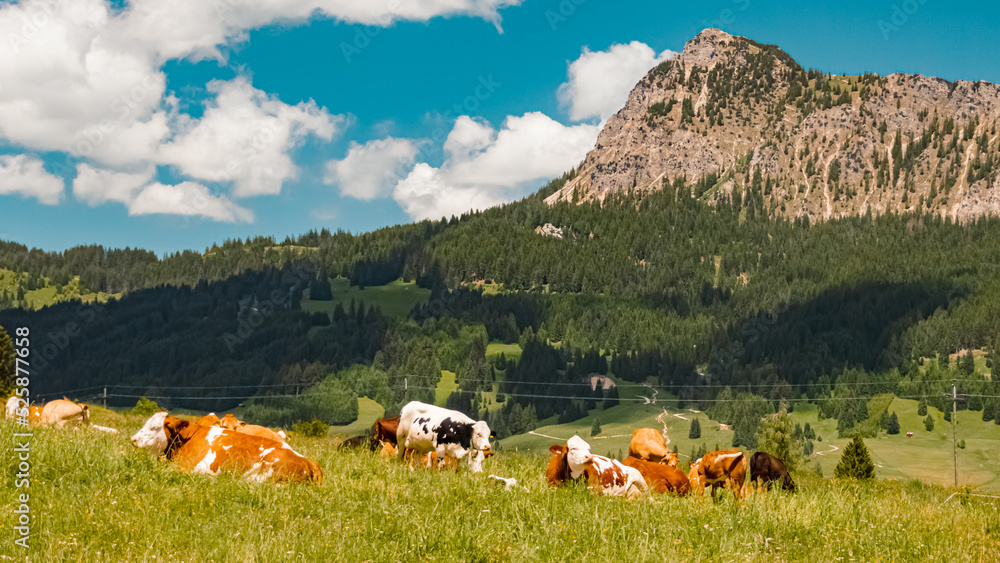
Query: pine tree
point(966, 363)
point(856, 463)
point(611, 398)
point(929, 423)
point(695, 431)
point(893, 427)
point(775, 436)
point(922, 407)
point(596, 428)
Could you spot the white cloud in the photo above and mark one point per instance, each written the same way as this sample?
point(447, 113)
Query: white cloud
point(245, 136)
point(195, 28)
point(190, 199)
point(85, 78)
point(426, 194)
point(599, 81)
point(372, 169)
point(484, 167)
point(66, 86)
point(20, 174)
point(95, 185)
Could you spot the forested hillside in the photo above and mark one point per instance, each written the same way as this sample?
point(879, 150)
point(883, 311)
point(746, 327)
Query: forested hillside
point(660, 285)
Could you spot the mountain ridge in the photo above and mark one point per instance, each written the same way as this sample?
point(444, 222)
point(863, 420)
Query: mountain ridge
point(740, 117)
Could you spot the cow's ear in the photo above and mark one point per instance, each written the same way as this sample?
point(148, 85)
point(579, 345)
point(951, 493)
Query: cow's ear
point(174, 426)
point(243, 423)
point(557, 449)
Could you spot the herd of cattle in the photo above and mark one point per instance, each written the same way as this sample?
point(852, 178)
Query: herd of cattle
point(427, 435)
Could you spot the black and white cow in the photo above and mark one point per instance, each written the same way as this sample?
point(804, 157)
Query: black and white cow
point(427, 428)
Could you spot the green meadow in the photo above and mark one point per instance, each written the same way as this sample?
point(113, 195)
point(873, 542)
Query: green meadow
point(396, 298)
point(94, 497)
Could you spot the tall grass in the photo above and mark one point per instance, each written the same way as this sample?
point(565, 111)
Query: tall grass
point(96, 498)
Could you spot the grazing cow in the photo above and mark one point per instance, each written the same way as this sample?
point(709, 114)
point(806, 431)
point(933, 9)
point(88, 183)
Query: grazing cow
point(209, 419)
point(384, 431)
point(719, 469)
point(648, 444)
point(660, 478)
point(230, 422)
point(605, 476)
point(767, 469)
point(424, 428)
point(211, 450)
point(61, 412)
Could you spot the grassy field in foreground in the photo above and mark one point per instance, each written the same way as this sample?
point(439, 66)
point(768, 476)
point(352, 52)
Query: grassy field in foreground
point(96, 498)
point(396, 299)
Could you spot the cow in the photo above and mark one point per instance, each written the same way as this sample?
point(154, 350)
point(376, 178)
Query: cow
point(766, 468)
point(211, 450)
point(384, 431)
point(424, 428)
point(648, 444)
point(719, 469)
point(230, 422)
point(61, 412)
point(210, 419)
point(661, 478)
point(605, 476)
point(16, 406)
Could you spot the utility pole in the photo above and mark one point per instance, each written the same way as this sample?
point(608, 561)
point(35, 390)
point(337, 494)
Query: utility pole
point(954, 427)
point(105, 396)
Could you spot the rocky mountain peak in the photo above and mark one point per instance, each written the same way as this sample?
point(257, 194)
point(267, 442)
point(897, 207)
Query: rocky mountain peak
point(732, 118)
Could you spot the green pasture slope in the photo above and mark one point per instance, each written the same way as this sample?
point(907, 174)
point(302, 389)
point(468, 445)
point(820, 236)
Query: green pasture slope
point(926, 457)
point(95, 498)
point(396, 299)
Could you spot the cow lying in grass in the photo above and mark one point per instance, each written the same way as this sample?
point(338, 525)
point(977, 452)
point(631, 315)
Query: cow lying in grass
point(605, 476)
point(212, 450)
point(660, 477)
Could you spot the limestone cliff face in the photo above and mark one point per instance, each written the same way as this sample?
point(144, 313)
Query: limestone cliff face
point(732, 114)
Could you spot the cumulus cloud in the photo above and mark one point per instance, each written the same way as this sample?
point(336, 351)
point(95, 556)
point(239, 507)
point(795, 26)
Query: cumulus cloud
point(26, 176)
point(96, 186)
point(85, 78)
point(484, 167)
point(599, 81)
point(190, 199)
point(244, 136)
point(371, 170)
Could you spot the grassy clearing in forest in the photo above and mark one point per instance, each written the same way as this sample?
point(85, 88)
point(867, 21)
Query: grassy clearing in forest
point(94, 497)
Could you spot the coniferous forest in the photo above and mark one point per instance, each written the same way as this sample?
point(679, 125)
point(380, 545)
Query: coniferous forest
point(706, 299)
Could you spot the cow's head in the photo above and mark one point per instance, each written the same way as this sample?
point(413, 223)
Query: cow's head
point(481, 436)
point(787, 482)
point(230, 422)
point(670, 459)
point(152, 435)
point(577, 455)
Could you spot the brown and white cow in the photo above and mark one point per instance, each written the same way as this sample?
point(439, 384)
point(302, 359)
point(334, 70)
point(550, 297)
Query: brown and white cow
point(61, 412)
point(211, 450)
point(724, 468)
point(230, 422)
point(15, 406)
point(661, 478)
point(649, 445)
point(605, 476)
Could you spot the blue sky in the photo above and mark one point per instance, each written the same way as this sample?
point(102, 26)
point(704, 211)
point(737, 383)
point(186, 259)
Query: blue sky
point(271, 121)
